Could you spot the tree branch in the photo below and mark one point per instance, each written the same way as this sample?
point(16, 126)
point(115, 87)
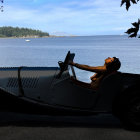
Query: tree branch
point(128, 3)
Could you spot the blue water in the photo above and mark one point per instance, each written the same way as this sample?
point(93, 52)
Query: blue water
point(90, 50)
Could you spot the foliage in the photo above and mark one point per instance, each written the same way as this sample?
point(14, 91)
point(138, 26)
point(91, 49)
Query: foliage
point(20, 32)
point(133, 32)
point(128, 3)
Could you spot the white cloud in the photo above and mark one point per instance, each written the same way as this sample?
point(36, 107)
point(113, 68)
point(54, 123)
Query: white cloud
point(120, 28)
point(89, 17)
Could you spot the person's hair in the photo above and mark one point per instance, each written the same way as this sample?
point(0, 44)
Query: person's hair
point(115, 65)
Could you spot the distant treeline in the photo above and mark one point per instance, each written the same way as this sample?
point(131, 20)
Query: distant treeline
point(21, 32)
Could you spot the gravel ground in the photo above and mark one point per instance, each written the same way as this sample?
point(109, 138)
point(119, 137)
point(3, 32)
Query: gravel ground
point(14, 126)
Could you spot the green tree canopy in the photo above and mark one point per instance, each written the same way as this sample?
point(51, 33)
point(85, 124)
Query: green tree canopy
point(20, 32)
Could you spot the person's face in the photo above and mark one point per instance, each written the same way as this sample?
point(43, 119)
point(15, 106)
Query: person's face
point(109, 60)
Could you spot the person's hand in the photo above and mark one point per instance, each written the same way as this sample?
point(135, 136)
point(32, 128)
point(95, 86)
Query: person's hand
point(71, 63)
point(93, 78)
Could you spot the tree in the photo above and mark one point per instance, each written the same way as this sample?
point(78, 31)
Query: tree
point(132, 32)
point(20, 32)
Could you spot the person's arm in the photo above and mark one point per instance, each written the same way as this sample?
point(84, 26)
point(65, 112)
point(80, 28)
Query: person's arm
point(94, 76)
point(98, 69)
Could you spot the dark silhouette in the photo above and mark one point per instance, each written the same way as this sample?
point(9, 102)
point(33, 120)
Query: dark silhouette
point(111, 65)
point(128, 4)
point(132, 32)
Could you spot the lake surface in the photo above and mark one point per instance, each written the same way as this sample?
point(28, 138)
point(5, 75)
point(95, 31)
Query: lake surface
point(90, 50)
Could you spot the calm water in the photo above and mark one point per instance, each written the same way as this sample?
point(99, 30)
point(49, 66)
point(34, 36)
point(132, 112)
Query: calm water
point(89, 50)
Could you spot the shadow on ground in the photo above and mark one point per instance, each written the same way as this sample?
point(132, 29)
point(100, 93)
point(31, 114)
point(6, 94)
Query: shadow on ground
point(98, 121)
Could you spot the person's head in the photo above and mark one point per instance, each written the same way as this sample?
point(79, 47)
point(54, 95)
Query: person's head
point(112, 64)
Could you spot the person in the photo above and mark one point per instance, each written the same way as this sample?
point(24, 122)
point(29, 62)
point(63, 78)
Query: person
point(111, 65)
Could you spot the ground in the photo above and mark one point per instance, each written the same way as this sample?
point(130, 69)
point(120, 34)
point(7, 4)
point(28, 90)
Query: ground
point(42, 127)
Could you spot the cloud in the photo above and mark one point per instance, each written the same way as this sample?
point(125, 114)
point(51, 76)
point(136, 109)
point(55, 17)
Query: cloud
point(74, 17)
point(120, 28)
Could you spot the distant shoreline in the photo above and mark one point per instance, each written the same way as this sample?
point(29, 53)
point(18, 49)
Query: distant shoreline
point(51, 36)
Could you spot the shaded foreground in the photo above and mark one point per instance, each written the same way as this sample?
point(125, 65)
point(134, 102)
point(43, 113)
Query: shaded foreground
point(24, 126)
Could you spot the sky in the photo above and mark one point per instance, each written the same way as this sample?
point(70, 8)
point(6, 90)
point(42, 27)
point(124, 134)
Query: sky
point(71, 17)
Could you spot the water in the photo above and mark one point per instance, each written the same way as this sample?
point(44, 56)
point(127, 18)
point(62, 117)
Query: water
point(90, 50)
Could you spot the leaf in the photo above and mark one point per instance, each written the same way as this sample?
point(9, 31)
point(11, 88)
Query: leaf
point(123, 1)
point(127, 3)
point(135, 24)
point(133, 35)
point(131, 30)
